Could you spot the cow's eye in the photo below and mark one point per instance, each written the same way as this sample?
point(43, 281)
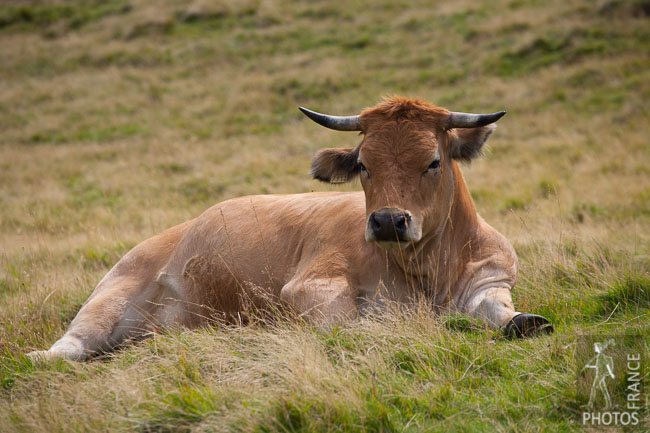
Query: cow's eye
point(434, 165)
point(363, 168)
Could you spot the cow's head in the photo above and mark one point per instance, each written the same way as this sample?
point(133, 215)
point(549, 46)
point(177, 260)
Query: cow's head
point(405, 162)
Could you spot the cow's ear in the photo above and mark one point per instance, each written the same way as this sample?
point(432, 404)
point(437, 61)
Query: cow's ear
point(467, 143)
point(335, 165)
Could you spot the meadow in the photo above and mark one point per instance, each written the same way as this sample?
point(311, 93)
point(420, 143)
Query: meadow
point(120, 118)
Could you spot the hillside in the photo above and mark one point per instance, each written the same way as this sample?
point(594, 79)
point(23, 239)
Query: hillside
point(122, 118)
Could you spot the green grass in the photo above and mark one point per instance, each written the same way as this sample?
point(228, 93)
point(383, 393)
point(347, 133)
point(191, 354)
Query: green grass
point(120, 119)
point(35, 17)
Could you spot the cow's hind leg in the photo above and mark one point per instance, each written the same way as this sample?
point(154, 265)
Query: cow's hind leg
point(90, 332)
point(120, 311)
point(130, 302)
point(322, 301)
point(66, 347)
point(94, 330)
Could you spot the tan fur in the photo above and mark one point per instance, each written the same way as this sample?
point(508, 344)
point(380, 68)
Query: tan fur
point(309, 250)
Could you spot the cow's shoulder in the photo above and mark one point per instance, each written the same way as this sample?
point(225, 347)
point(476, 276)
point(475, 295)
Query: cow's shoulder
point(492, 252)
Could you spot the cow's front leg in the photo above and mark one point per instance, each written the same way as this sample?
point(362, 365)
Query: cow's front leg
point(323, 301)
point(494, 305)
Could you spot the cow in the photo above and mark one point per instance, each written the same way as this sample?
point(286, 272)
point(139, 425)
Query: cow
point(413, 232)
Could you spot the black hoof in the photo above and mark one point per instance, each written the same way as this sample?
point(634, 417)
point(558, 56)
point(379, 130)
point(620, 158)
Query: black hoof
point(527, 325)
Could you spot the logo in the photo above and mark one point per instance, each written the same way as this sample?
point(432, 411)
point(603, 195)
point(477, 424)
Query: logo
point(603, 366)
point(610, 381)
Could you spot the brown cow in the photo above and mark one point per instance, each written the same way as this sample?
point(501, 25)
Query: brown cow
point(413, 231)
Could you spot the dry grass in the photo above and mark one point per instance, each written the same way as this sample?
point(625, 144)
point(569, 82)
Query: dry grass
point(120, 119)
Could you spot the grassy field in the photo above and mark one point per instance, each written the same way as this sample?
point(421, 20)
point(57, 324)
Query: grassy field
point(121, 118)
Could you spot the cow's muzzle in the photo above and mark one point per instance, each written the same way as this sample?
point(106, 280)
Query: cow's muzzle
point(391, 227)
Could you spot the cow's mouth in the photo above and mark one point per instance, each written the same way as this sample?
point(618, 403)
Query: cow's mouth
point(393, 245)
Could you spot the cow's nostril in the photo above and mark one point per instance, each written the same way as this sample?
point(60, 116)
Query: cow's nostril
point(375, 224)
point(400, 222)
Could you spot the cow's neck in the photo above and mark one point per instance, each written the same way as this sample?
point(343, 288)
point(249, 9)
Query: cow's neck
point(436, 262)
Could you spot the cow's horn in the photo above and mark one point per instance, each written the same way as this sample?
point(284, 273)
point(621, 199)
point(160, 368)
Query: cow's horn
point(470, 120)
point(339, 123)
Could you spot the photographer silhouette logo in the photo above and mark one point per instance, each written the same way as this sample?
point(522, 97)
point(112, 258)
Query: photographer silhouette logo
point(603, 366)
point(612, 376)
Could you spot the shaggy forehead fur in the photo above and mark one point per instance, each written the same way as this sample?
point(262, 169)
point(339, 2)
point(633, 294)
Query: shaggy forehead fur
point(397, 108)
point(402, 132)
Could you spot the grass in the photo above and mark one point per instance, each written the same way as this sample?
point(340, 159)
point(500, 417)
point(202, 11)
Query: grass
point(120, 119)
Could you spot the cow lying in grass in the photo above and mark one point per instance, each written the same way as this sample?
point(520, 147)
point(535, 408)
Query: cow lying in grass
point(412, 232)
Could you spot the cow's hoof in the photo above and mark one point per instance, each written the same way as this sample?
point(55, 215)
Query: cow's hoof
point(527, 325)
point(38, 356)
